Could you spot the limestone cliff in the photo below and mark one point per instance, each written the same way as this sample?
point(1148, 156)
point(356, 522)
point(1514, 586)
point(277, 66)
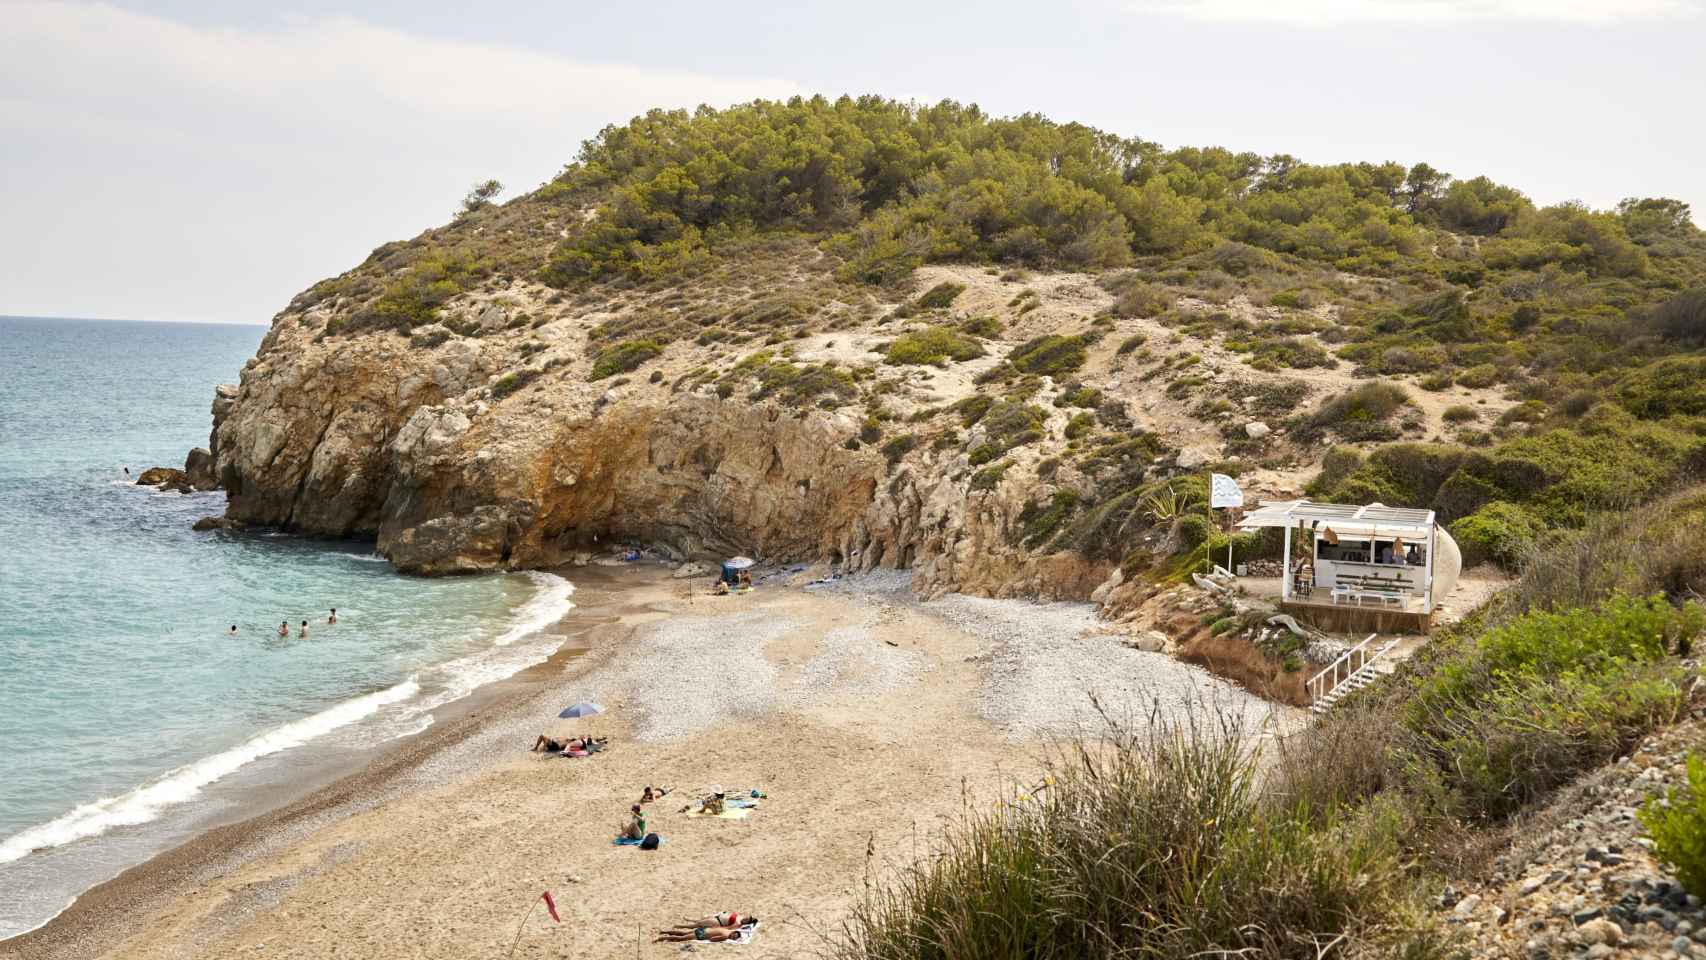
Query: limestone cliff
point(499, 436)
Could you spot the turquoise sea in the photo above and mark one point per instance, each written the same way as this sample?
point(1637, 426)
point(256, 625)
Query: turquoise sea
point(129, 719)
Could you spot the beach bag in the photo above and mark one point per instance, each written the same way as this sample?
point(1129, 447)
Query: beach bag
point(650, 842)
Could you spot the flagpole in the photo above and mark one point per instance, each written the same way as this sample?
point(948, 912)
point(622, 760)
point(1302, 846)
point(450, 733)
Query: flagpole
point(523, 926)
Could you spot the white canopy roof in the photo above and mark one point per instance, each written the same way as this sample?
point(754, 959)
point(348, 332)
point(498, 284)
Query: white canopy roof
point(1344, 518)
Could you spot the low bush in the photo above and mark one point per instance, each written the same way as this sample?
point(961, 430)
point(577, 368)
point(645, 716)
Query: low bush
point(1131, 343)
point(1038, 523)
point(1360, 413)
point(932, 346)
point(1677, 823)
point(1529, 705)
point(986, 327)
point(513, 381)
point(900, 446)
point(623, 357)
point(1459, 413)
point(1499, 532)
point(1051, 355)
point(941, 296)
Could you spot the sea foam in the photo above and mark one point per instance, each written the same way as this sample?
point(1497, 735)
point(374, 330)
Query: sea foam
point(146, 802)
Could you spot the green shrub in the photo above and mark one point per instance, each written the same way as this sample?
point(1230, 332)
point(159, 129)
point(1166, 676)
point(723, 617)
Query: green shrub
point(513, 381)
point(623, 357)
point(1359, 413)
point(1080, 425)
point(985, 326)
point(1531, 704)
point(972, 408)
point(900, 446)
point(941, 296)
point(1051, 355)
point(1459, 413)
point(1677, 824)
point(934, 346)
point(1131, 343)
point(1500, 532)
point(1435, 382)
point(1478, 377)
point(1039, 523)
point(1682, 318)
point(988, 477)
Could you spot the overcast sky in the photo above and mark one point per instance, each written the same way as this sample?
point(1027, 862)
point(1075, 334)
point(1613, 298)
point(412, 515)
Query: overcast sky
point(188, 160)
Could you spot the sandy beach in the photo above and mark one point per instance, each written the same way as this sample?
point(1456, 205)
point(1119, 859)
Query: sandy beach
point(869, 719)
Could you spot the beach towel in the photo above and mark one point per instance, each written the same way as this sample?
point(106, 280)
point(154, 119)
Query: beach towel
point(730, 812)
point(746, 934)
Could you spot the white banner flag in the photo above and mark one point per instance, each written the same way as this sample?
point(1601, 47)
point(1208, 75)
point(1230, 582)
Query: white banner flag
point(1223, 491)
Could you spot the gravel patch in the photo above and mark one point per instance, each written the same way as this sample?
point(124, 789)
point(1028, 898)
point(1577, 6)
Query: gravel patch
point(689, 674)
point(853, 664)
point(1048, 665)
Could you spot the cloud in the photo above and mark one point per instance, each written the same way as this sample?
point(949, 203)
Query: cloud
point(1328, 12)
point(209, 173)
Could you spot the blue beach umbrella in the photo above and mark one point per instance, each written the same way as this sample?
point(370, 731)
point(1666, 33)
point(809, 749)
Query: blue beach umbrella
point(582, 709)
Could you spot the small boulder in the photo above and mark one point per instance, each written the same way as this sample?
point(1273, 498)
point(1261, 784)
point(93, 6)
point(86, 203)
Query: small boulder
point(1192, 457)
point(1256, 429)
point(690, 569)
point(215, 523)
point(1601, 930)
point(1149, 641)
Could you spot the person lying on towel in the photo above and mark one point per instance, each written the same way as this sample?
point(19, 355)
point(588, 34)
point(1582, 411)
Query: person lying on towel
point(709, 934)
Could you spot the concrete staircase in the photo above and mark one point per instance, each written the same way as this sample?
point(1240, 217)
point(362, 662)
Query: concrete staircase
point(1360, 666)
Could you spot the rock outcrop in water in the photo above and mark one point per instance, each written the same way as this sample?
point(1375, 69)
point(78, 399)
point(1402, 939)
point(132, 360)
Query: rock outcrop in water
point(165, 478)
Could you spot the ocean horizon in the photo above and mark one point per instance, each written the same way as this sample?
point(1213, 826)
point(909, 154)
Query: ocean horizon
point(132, 718)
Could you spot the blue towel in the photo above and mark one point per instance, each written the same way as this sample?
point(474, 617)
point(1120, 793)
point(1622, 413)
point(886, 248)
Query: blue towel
point(631, 842)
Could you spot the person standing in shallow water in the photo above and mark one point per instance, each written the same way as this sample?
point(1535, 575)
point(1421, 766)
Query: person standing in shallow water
point(284, 628)
point(304, 634)
point(334, 617)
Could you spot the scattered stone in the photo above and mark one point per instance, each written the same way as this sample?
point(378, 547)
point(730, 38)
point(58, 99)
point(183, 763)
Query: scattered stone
point(1601, 930)
point(1256, 429)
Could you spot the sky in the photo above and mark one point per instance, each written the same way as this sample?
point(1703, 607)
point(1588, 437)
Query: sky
point(189, 160)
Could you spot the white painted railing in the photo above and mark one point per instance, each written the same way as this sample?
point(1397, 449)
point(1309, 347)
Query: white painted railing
point(1340, 670)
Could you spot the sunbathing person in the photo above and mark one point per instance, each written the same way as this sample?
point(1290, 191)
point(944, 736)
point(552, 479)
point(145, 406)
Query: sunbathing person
point(548, 745)
point(653, 793)
point(730, 919)
point(636, 828)
point(712, 805)
point(709, 934)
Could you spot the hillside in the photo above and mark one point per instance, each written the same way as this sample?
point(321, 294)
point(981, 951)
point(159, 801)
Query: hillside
point(996, 351)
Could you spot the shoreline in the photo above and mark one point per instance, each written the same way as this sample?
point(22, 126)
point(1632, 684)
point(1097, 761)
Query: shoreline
point(870, 719)
point(339, 788)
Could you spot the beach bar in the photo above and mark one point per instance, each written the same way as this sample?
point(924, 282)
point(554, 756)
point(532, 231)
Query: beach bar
point(1356, 565)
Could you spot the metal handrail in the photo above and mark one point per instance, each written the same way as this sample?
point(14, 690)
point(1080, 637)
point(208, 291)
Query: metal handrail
point(1359, 652)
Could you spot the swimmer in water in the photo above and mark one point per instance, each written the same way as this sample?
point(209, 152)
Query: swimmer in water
point(233, 631)
point(126, 472)
point(334, 617)
point(284, 628)
point(304, 633)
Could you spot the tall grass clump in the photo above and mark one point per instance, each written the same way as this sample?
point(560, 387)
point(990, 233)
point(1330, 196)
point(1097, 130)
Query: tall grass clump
point(1151, 844)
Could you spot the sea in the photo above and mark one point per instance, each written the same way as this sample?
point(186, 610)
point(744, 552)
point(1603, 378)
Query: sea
point(130, 718)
